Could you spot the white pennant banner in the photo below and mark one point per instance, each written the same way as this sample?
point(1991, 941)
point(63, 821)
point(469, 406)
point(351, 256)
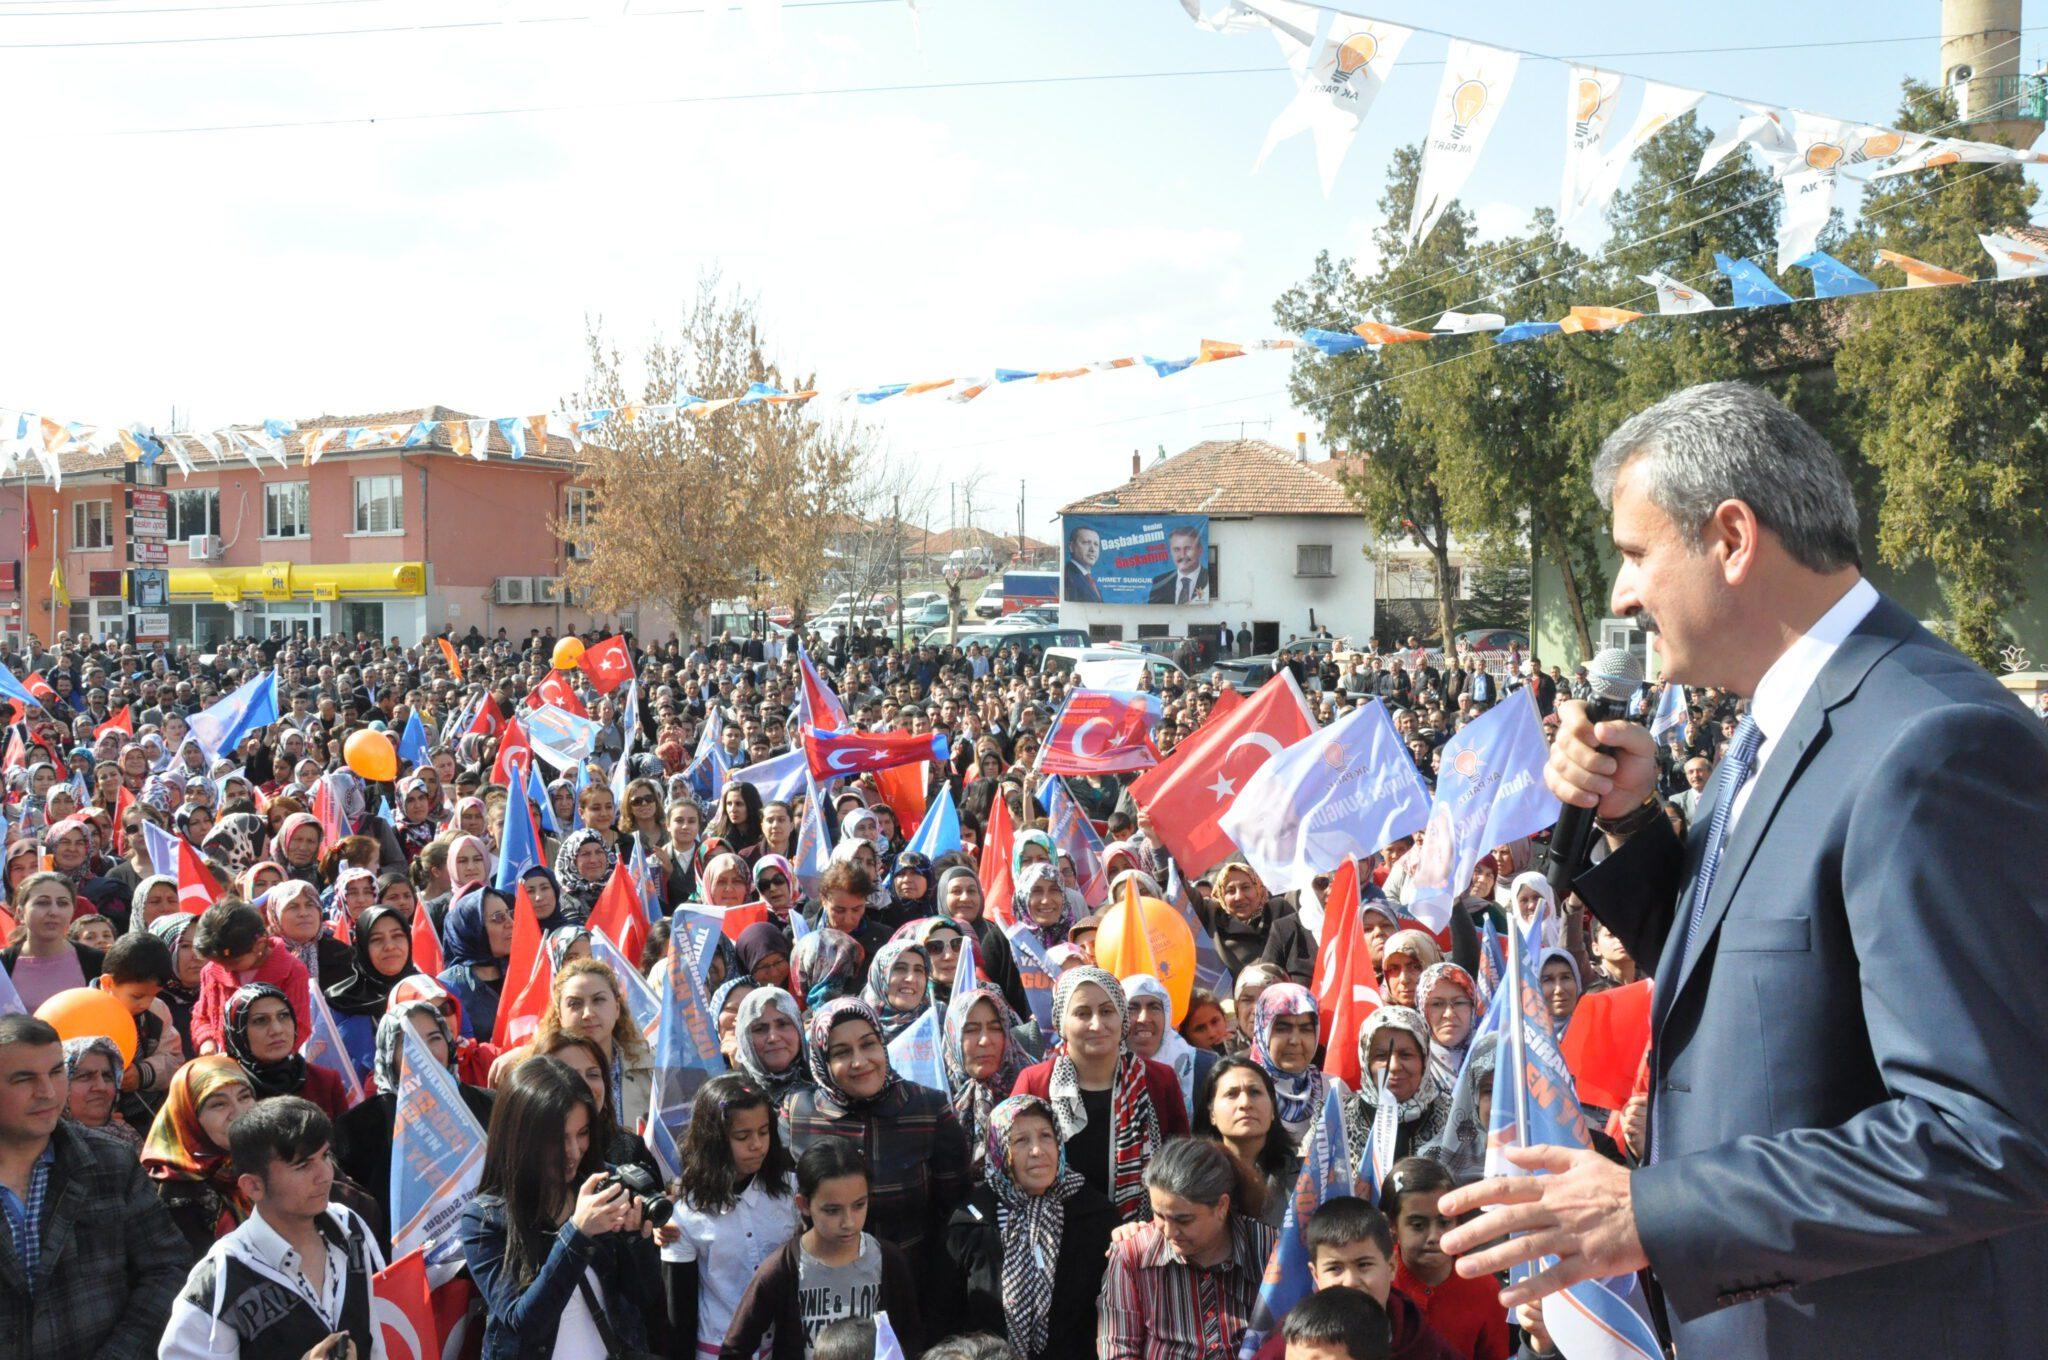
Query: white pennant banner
point(1468, 103)
point(1673, 297)
point(1662, 106)
point(1338, 89)
point(1590, 96)
point(2015, 259)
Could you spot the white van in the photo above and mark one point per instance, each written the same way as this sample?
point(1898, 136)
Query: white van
point(1159, 670)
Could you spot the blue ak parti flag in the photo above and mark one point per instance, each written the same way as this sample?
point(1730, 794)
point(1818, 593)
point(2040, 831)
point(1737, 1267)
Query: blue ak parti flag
point(12, 688)
point(629, 727)
point(779, 779)
point(249, 708)
point(1073, 835)
point(437, 1155)
point(1346, 789)
point(1832, 278)
point(324, 1048)
point(643, 1003)
point(1489, 791)
point(1325, 1172)
point(686, 1042)
point(914, 1054)
point(1670, 715)
point(519, 850)
point(1751, 286)
point(939, 832)
point(412, 746)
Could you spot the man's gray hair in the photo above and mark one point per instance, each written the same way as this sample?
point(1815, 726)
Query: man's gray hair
point(1729, 441)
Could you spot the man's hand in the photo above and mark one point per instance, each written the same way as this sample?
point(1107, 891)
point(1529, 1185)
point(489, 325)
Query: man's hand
point(1581, 774)
point(1635, 1124)
point(1580, 1213)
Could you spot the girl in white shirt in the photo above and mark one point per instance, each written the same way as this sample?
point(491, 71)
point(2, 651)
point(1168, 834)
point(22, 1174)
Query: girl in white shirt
point(734, 1208)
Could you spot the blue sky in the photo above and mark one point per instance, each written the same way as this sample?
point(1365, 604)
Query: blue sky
point(337, 265)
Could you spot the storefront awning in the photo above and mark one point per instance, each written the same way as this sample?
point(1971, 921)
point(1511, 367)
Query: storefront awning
point(281, 581)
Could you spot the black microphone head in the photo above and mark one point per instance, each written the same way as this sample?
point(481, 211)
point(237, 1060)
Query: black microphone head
point(1615, 674)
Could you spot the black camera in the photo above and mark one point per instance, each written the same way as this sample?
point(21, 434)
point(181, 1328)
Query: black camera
point(656, 1207)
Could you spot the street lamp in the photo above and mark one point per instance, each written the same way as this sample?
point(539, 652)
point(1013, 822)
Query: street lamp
point(953, 572)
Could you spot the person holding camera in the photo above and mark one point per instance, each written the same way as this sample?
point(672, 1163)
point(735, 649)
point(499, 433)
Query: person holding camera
point(557, 1243)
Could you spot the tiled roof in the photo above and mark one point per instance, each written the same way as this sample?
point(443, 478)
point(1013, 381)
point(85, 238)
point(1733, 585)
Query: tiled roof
point(1226, 477)
point(946, 540)
point(2032, 235)
point(559, 450)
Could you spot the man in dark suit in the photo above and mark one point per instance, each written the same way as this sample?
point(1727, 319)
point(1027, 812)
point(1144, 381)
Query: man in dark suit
point(1188, 582)
point(1848, 1129)
point(1084, 549)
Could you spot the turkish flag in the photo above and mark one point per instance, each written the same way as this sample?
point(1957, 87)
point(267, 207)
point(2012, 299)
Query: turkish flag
point(1124, 743)
point(17, 752)
point(514, 752)
point(840, 753)
point(998, 843)
point(36, 685)
point(197, 889)
point(1605, 1043)
point(903, 790)
point(123, 721)
point(1343, 970)
point(1190, 789)
point(404, 1309)
point(619, 915)
point(608, 665)
point(426, 945)
point(488, 717)
point(738, 918)
point(557, 690)
point(528, 977)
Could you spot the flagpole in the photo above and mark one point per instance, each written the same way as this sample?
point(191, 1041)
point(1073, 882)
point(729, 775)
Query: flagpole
point(1517, 943)
point(55, 548)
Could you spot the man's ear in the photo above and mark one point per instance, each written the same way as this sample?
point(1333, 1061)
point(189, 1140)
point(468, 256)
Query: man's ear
point(251, 1187)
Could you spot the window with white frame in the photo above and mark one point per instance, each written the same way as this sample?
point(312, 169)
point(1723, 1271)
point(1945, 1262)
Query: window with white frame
point(380, 505)
point(193, 513)
point(578, 510)
point(92, 524)
point(285, 510)
point(1313, 559)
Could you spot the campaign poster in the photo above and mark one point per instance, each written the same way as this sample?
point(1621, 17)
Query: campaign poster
point(1136, 559)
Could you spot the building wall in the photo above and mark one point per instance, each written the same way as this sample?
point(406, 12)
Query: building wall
point(1256, 582)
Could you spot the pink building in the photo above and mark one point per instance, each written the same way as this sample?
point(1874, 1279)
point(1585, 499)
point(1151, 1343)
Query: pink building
point(388, 541)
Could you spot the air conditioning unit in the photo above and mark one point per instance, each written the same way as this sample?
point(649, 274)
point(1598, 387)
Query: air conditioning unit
point(203, 547)
point(512, 590)
point(547, 590)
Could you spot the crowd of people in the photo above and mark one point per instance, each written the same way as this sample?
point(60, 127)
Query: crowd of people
point(1110, 1182)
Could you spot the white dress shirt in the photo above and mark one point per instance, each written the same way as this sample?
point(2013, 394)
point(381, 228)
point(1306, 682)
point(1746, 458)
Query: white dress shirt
point(1784, 686)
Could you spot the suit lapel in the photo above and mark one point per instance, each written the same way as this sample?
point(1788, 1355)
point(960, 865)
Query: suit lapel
point(1882, 630)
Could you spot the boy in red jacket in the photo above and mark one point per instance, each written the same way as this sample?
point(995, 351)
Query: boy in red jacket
point(230, 936)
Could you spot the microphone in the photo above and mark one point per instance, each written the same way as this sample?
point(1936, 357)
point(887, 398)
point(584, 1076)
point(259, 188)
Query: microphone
point(1615, 674)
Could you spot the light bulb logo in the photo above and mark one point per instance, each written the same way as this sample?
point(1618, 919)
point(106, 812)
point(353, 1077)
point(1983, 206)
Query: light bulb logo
point(1355, 55)
point(1824, 155)
point(1880, 146)
point(1468, 101)
point(1589, 100)
point(1943, 158)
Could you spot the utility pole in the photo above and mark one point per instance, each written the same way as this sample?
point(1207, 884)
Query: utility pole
point(896, 531)
point(1020, 519)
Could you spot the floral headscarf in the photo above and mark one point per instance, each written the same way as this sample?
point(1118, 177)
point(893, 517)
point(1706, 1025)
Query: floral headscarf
point(75, 1051)
point(1409, 1021)
point(1030, 1225)
point(282, 847)
point(757, 1003)
point(177, 1148)
point(1071, 909)
point(818, 1027)
point(565, 864)
point(1032, 837)
point(1300, 1093)
point(876, 993)
point(1446, 1059)
point(391, 1039)
point(779, 864)
point(1134, 1134)
point(561, 940)
point(823, 965)
point(973, 1097)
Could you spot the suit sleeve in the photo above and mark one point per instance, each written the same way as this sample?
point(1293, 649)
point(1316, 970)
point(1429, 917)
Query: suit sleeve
point(1634, 891)
point(1950, 934)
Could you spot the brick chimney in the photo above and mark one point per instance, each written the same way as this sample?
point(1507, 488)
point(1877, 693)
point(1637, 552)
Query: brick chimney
point(1136, 463)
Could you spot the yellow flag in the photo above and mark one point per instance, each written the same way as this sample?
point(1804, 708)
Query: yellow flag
point(1122, 944)
point(57, 591)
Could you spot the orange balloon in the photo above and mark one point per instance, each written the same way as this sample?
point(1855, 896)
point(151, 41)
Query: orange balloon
point(371, 755)
point(568, 653)
point(88, 1012)
point(1172, 947)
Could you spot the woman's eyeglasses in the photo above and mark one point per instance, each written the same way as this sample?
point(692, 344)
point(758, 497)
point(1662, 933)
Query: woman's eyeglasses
point(642, 800)
point(943, 946)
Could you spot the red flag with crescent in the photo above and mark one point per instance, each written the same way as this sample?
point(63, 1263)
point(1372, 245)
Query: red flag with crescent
point(1102, 731)
point(403, 1309)
point(1189, 790)
point(833, 754)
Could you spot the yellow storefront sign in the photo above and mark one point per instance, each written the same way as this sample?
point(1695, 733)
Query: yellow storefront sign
point(279, 582)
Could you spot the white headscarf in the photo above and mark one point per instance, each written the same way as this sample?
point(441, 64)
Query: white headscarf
point(1174, 1051)
point(1553, 923)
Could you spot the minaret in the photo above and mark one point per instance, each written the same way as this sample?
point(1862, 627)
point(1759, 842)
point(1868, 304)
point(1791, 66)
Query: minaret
point(1980, 64)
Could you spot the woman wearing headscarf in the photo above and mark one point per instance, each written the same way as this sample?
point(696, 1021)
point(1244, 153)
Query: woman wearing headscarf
point(1154, 1035)
point(983, 1058)
point(1529, 894)
point(764, 951)
point(565, 943)
point(94, 1066)
point(1407, 956)
point(776, 883)
point(154, 898)
point(259, 1030)
point(381, 956)
point(469, 862)
point(958, 897)
point(292, 913)
point(1047, 904)
point(768, 1042)
point(237, 840)
point(725, 1013)
point(1115, 1108)
point(898, 985)
point(473, 1057)
point(186, 1152)
point(182, 993)
point(825, 964)
point(1461, 1147)
point(723, 881)
point(476, 941)
point(910, 887)
point(416, 824)
point(582, 865)
point(918, 1169)
point(1451, 1007)
point(1032, 1243)
point(297, 847)
point(362, 1136)
point(1284, 1042)
point(1393, 1053)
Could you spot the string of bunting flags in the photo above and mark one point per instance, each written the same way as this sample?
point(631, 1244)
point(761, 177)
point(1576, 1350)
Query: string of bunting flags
point(43, 439)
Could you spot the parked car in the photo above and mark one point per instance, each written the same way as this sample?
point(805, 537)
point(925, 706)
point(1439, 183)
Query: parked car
point(990, 604)
point(1062, 660)
point(1249, 672)
point(931, 615)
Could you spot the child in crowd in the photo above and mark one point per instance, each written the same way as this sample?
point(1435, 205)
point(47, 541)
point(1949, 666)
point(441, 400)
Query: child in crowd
point(1337, 1324)
point(136, 968)
point(1466, 1313)
point(92, 930)
point(1351, 1245)
point(835, 1269)
point(238, 950)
